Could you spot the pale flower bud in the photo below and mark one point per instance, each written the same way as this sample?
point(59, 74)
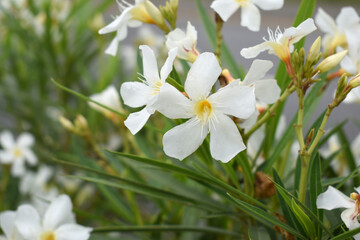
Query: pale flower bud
point(66, 123)
point(81, 123)
point(314, 50)
point(156, 15)
point(331, 61)
point(355, 81)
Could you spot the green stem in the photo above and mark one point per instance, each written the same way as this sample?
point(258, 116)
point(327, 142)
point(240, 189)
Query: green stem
point(269, 113)
point(305, 159)
point(4, 183)
point(219, 38)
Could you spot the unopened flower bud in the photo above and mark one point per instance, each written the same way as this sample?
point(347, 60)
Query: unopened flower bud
point(81, 123)
point(331, 61)
point(66, 123)
point(355, 81)
point(169, 12)
point(342, 83)
point(314, 51)
point(156, 15)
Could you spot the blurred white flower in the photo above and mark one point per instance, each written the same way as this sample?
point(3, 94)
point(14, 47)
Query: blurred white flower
point(137, 94)
point(250, 14)
point(333, 198)
point(109, 97)
point(185, 42)
point(7, 224)
point(351, 62)
point(131, 16)
point(17, 152)
point(281, 44)
point(58, 222)
point(206, 113)
point(337, 33)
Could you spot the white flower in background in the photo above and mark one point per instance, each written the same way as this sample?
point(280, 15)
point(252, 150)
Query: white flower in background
point(58, 222)
point(108, 97)
point(206, 113)
point(337, 32)
point(131, 16)
point(17, 152)
point(138, 94)
point(333, 198)
point(267, 90)
point(353, 96)
point(281, 44)
point(250, 14)
point(355, 148)
point(36, 185)
point(351, 62)
point(7, 224)
point(185, 42)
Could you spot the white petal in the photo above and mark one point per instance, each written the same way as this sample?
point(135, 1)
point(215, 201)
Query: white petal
point(249, 122)
point(174, 37)
point(7, 139)
point(296, 34)
point(225, 139)
point(250, 17)
point(27, 221)
point(108, 97)
point(257, 71)
point(150, 65)
point(168, 65)
point(30, 156)
point(347, 17)
point(137, 120)
point(112, 48)
point(135, 94)
point(202, 76)
point(181, 141)
point(119, 22)
point(348, 65)
point(73, 232)
point(58, 212)
point(25, 140)
point(191, 31)
point(332, 199)
point(234, 100)
point(6, 156)
point(269, 4)
point(173, 104)
point(267, 90)
point(349, 217)
point(225, 8)
point(352, 97)
point(18, 167)
point(325, 22)
point(7, 223)
point(252, 52)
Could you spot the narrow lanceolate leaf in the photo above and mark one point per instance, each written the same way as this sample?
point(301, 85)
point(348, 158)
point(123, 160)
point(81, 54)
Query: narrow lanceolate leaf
point(165, 228)
point(264, 217)
point(347, 234)
point(315, 186)
point(303, 219)
point(235, 69)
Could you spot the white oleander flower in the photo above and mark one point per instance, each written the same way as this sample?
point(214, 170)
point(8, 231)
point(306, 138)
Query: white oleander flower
point(338, 31)
point(250, 14)
point(185, 42)
point(58, 222)
point(206, 113)
point(108, 97)
point(281, 44)
point(333, 198)
point(17, 152)
point(351, 62)
point(131, 16)
point(138, 94)
point(7, 224)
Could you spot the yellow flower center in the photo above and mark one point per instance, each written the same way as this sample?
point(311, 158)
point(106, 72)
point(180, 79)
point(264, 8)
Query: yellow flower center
point(282, 50)
point(203, 110)
point(140, 13)
point(48, 235)
point(156, 87)
point(242, 2)
point(17, 152)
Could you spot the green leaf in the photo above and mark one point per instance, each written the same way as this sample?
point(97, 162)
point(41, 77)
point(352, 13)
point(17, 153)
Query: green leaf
point(235, 69)
point(165, 228)
point(303, 219)
point(264, 217)
point(315, 186)
point(347, 234)
point(258, 233)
